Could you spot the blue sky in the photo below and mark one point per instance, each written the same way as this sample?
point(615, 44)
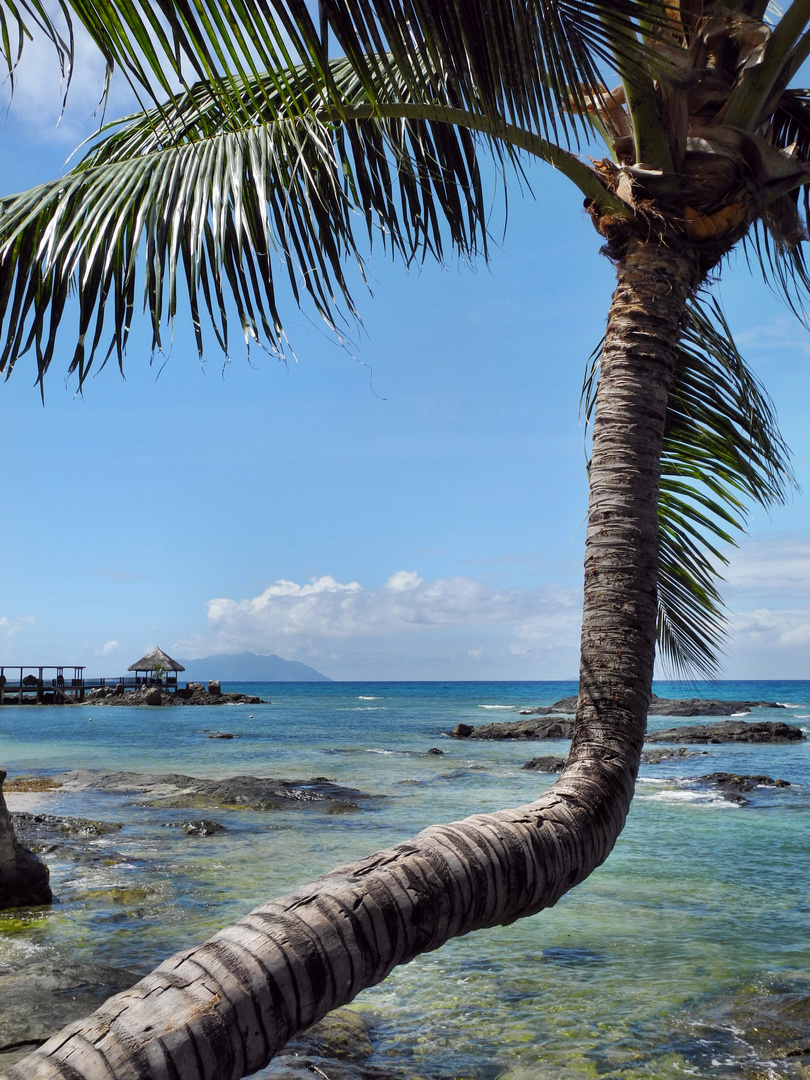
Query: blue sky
point(410, 506)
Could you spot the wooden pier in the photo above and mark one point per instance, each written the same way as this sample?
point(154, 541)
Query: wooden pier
point(34, 684)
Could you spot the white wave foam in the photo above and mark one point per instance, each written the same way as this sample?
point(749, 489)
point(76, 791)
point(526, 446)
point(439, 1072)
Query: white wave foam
point(787, 705)
point(698, 797)
point(367, 697)
point(496, 706)
point(370, 750)
point(740, 713)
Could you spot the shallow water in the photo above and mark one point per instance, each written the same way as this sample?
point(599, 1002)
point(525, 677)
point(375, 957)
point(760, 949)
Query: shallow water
point(702, 902)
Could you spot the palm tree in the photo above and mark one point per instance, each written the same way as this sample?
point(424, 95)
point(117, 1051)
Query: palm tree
point(255, 150)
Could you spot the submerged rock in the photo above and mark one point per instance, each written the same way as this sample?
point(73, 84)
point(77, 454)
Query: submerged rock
point(748, 731)
point(763, 1031)
point(231, 793)
point(203, 827)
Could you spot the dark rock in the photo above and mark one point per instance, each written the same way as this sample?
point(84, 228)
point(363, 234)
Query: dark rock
point(233, 793)
point(23, 877)
point(193, 694)
point(654, 757)
point(45, 995)
point(548, 764)
point(33, 826)
point(435, 750)
point(757, 731)
point(735, 782)
point(221, 735)
point(666, 707)
point(215, 688)
point(731, 785)
point(702, 707)
point(540, 728)
point(462, 731)
point(203, 827)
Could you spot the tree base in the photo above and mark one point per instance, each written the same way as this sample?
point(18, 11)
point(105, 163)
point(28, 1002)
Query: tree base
point(24, 883)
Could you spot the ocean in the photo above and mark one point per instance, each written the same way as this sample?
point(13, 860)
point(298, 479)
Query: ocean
point(685, 954)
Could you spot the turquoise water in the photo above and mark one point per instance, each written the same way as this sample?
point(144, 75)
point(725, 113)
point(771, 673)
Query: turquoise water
point(642, 971)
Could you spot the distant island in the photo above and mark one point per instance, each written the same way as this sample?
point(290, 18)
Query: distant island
point(249, 667)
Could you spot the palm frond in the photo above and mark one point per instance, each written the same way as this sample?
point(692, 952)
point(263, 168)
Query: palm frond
point(774, 245)
point(193, 201)
point(534, 63)
point(722, 452)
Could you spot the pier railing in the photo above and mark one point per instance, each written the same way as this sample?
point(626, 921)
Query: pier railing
point(50, 685)
point(33, 683)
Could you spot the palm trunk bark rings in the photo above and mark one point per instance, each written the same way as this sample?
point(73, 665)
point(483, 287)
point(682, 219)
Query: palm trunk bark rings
point(223, 1009)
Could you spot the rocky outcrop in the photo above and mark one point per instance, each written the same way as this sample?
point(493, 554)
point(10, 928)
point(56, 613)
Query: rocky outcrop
point(752, 731)
point(548, 764)
point(201, 827)
point(703, 707)
point(232, 793)
point(193, 694)
point(23, 877)
point(540, 728)
point(731, 785)
point(655, 757)
point(546, 727)
point(666, 707)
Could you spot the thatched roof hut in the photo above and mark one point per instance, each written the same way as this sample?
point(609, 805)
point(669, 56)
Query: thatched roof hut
point(157, 661)
point(156, 658)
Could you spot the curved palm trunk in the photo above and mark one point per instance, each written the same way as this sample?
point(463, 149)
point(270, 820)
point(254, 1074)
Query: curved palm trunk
point(224, 1008)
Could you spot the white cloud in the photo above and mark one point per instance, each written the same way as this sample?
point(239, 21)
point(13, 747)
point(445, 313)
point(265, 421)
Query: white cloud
point(777, 563)
point(39, 91)
point(11, 626)
point(110, 647)
point(288, 617)
point(782, 334)
point(769, 628)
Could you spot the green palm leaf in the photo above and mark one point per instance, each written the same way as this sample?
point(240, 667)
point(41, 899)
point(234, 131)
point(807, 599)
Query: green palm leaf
point(193, 199)
point(524, 60)
point(722, 451)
